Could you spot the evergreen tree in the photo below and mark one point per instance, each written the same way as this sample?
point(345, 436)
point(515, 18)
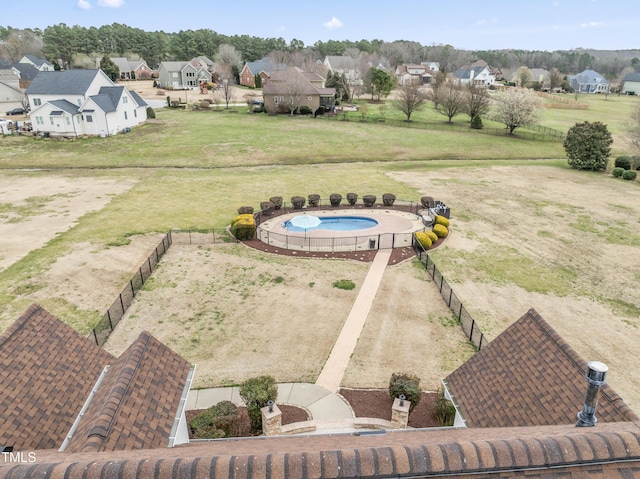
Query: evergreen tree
point(109, 68)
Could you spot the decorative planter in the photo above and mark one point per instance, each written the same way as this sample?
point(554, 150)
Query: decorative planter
point(267, 207)
point(352, 198)
point(277, 201)
point(335, 199)
point(427, 201)
point(297, 202)
point(314, 200)
point(369, 200)
point(245, 210)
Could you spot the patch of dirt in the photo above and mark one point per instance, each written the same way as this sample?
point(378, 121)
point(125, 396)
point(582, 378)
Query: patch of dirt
point(377, 403)
point(290, 414)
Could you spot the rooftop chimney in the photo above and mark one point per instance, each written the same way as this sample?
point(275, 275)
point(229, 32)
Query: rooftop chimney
point(596, 378)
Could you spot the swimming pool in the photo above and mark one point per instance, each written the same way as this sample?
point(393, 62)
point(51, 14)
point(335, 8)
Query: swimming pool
point(337, 223)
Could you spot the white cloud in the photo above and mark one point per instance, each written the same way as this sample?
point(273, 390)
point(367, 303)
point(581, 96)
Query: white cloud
point(84, 5)
point(333, 23)
point(591, 24)
point(111, 3)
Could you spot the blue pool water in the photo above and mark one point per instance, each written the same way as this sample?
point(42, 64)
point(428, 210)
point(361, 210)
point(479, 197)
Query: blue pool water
point(337, 223)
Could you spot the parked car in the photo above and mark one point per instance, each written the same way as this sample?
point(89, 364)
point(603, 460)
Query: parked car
point(17, 111)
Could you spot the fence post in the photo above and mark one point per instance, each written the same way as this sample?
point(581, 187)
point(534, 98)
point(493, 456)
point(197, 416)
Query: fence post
point(473, 324)
point(133, 293)
point(441, 282)
point(109, 318)
point(95, 336)
point(460, 312)
point(149, 263)
point(121, 302)
point(450, 294)
point(141, 277)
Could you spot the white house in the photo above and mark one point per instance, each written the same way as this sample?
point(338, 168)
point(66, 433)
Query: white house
point(416, 74)
point(82, 102)
point(39, 63)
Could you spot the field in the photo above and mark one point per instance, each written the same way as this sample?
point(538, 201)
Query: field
point(526, 233)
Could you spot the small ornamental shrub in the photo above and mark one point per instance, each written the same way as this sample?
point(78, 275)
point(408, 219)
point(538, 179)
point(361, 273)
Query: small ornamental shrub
point(267, 207)
point(441, 220)
point(388, 199)
point(345, 284)
point(277, 201)
point(220, 420)
point(629, 175)
point(297, 202)
point(424, 240)
point(432, 236)
point(441, 231)
point(305, 110)
point(476, 123)
point(427, 201)
point(407, 384)
point(617, 171)
point(369, 200)
point(588, 146)
point(623, 162)
point(314, 200)
point(151, 113)
point(256, 393)
point(245, 210)
point(352, 198)
point(243, 227)
point(335, 199)
point(445, 411)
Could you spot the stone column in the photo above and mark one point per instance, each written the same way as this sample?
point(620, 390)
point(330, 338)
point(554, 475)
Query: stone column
point(400, 413)
point(271, 420)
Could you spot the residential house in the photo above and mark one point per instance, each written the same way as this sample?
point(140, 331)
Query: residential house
point(63, 392)
point(183, 75)
point(414, 74)
point(433, 66)
point(205, 62)
point(39, 63)
point(82, 102)
point(589, 81)
point(528, 376)
point(478, 73)
point(130, 69)
point(303, 88)
point(344, 65)
point(263, 67)
point(25, 73)
point(631, 84)
point(11, 95)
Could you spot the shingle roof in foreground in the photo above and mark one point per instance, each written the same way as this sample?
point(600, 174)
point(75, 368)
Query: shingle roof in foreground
point(47, 371)
point(605, 451)
point(528, 376)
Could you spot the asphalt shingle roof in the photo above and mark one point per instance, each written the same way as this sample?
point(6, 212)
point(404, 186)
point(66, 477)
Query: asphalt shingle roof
point(528, 376)
point(47, 371)
point(67, 82)
point(65, 105)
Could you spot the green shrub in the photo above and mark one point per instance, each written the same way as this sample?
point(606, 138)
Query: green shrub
point(629, 175)
point(256, 394)
point(588, 146)
point(432, 236)
point(476, 123)
point(220, 420)
point(305, 110)
point(617, 171)
point(407, 384)
point(424, 240)
point(623, 162)
point(441, 220)
point(344, 284)
point(151, 113)
point(445, 411)
point(441, 231)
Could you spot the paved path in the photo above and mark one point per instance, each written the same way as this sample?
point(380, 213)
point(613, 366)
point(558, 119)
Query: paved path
point(331, 375)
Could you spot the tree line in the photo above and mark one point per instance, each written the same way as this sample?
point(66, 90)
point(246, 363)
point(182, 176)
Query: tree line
point(79, 46)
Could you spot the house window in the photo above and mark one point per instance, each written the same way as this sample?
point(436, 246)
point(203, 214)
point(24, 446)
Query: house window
point(135, 113)
point(89, 118)
point(309, 98)
point(275, 100)
point(125, 99)
point(68, 121)
point(39, 120)
point(37, 102)
point(125, 116)
point(51, 120)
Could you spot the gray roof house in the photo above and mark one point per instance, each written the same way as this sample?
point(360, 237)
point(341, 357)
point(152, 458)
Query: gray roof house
point(479, 73)
point(263, 67)
point(298, 88)
point(631, 84)
point(130, 69)
point(39, 63)
point(183, 75)
point(589, 81)
point(73, 103)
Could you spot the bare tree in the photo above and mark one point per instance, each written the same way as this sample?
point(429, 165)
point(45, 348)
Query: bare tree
point(20, 43)
point(517, 107)
point(410, 98)
point(228, 55)
point(523, 76)
point(555, 79)
point(293, 89)
point(227, 82)
point(477, 101)
point(450, 100)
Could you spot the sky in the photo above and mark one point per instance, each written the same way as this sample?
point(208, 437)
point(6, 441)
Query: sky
point(471, 25)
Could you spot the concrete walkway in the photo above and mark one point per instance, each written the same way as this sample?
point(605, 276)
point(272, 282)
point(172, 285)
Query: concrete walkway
point(331, 375)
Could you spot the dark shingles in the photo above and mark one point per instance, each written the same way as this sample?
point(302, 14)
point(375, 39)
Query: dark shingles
point(67, 82)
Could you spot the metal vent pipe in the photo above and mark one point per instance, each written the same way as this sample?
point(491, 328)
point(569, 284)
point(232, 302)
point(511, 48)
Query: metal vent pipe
point(596, 378)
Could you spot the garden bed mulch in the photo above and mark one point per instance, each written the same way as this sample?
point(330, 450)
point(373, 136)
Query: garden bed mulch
point(377, 403)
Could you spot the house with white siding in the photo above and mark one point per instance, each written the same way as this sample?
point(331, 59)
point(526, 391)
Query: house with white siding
point(74, 103)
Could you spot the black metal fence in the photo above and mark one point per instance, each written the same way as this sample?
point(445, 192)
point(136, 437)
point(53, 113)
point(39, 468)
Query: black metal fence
point(114, 314)
point(202, 236)
point(468, 324)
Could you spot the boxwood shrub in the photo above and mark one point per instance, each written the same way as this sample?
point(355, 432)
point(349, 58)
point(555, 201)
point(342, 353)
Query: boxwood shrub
point(617, 171)
point(407, 384)
point(623, 162)
point(243, 227)
point(441, 220)
point(432, 236)
point(441, 231)
point(629, 175)
point(424, 240)
point(220, 420)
